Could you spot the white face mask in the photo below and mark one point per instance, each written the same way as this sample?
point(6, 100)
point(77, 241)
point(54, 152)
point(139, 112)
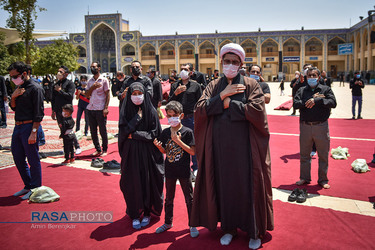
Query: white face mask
point(230, 71)
point(174, 121)
point(59, 76)
point(184, 74)
point(137, 99)
point(18, 81)
point(65, 114)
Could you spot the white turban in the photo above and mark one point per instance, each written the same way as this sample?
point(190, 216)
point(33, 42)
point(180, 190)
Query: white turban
point(235, 49)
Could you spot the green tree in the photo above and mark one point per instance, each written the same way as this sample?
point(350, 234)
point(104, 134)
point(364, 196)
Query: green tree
point(53, 56)
point(23, 14)
point(5, 58)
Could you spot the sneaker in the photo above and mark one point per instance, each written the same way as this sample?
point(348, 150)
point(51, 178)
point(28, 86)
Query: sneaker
point(353, 118)
point(359, 117)
point(97, 163)
point(255, 244)
point(104, 153)
point(111, 165)
point(313, 153)
point(294, 194)
point(136, 224)
point(72, 160)
point(145, 221)
point(67, 161)
point(163, 228)
point(78, 151)
point(26, 196)
point(21, 192)
point(302, 196)
point(194, 232)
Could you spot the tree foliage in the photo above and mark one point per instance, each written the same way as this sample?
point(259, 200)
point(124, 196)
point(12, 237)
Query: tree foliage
point(53, 56)
point(5, 58)
point(23, 14)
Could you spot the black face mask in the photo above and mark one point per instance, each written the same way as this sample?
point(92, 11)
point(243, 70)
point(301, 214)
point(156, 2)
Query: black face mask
point(136, 71)
point(94, 71)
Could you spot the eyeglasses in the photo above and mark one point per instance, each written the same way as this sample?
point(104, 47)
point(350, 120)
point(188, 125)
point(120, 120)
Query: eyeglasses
point(255, 72)
point(235, 63)
point(60, 71)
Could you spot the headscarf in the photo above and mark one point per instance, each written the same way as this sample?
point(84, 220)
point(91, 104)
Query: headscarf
point(234, 48)
point(129, 110)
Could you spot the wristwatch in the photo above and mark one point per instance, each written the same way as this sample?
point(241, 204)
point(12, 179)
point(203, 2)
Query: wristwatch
point(34, 130)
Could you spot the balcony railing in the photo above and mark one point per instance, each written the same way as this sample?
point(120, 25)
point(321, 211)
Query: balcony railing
point(186, 56)
point(252, 54)
point(291, 53)
point(167, 56)
point(206, 55)
point(314, 53)
point(273, 53)
point(148, 57)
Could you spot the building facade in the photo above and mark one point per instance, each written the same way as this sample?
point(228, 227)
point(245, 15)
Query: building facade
point(107, 39)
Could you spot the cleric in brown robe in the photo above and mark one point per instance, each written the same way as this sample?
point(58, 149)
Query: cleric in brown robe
point(233, 185)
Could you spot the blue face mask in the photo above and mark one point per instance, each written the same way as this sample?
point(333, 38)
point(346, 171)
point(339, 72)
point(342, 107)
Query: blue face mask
point(256, 77)
point(312, 82)
point(358, 76)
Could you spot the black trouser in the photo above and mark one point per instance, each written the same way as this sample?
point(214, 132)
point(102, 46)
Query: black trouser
point(96, 118)
point(59, 119)
point(170, 186)
point(2, 110)
point(68, 141)
point(78, 120)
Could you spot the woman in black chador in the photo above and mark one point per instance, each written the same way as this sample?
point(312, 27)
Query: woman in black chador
point(142, 168)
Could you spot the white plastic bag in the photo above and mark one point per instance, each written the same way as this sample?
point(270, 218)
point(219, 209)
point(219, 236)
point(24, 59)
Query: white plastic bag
point(360, 166)
point(43, 194)
point(340, 153)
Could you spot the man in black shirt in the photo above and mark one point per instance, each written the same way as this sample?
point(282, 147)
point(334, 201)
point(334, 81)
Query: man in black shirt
point(3, 99)
point(63, 93)
point(324, 80)
point(136, 70)
point(357, 84)
point(197, 76)
point(314, 102)
point(27, 102)
point(187, 92)
point(256, 73)
point(156, 88)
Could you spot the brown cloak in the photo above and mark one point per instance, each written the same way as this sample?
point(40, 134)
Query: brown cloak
point(205, 211)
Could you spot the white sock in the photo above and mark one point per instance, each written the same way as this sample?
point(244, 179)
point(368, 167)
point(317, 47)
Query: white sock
point(254, 244)
point(226, 239)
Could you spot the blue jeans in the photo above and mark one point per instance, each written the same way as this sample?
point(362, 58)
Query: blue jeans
point(21, 149)
point(42, 138)
point(359, 100)
point(79, 115)
point(189, 122)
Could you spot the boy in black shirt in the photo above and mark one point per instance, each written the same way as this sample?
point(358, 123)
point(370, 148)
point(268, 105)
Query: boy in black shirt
point(67, 133)
point(177, 142)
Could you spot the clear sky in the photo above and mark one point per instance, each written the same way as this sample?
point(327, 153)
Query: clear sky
point(165, 17)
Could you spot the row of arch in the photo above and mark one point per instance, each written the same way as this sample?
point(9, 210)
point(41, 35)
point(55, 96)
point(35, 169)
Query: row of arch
point(269, 47)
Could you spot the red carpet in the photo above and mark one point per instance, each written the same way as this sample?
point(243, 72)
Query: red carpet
point(285, 106)
point(83, 190)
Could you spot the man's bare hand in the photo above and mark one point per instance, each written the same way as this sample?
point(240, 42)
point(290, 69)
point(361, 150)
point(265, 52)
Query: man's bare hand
point(18, 92)
point(105, 112)
point(32, 138)
point(316, 95)
point(124, 93)
point(180, 89)
point(53, 115)
point(57, 87)
point(310, 103)
point(226, 102)
point(232, 89)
